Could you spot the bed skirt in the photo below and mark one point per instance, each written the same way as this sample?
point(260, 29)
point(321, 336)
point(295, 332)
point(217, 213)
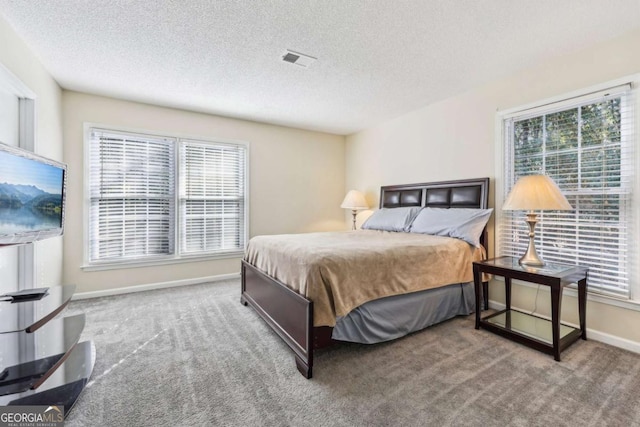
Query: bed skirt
point(393, 317)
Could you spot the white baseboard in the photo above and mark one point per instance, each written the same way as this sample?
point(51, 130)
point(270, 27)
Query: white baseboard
point(592, 334)
point(151, 286)
point(613, 340)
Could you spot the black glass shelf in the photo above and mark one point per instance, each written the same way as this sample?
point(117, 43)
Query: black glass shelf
point(28, 359)
point(30, 315)
point(63, 387)
point(42, 361)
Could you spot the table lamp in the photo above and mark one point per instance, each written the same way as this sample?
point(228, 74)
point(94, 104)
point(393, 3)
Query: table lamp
point(355, 201)
point(533, 193)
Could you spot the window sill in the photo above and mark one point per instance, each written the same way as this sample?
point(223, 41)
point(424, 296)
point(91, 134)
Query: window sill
point(160, 261)
point(573, 292)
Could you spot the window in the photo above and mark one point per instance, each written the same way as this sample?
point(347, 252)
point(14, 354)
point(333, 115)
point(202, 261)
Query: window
point(211, 197)
point(143, 207)
point(586, 145)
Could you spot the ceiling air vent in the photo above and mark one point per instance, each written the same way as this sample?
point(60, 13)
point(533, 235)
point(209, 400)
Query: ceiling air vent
point(298, 58)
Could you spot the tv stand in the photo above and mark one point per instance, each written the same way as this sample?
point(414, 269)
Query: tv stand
point(42, 361)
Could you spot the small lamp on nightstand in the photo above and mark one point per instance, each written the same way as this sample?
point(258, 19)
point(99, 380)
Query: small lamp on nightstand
point(355, 201)
point(531, 193)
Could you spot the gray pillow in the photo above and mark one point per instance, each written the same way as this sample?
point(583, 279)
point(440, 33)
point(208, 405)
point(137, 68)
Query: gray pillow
point(464, 224)
point(391, 219)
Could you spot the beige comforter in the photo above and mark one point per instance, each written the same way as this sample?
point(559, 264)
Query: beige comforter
point(340, 271)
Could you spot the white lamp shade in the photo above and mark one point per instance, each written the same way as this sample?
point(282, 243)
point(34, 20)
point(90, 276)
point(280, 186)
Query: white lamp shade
point(354, 200)
point(536, 192)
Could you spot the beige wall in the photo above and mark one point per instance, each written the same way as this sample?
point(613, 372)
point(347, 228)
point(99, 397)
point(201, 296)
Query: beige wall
point(20, 61)
point(455, 139)
point(296, 181)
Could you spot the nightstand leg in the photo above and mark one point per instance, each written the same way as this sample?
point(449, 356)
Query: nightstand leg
point(507, 292)
point(556, 301)
point(478, 290)
point(485, 294)
point(582, 306)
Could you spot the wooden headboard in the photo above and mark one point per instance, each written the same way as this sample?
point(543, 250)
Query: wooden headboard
point(465, 193)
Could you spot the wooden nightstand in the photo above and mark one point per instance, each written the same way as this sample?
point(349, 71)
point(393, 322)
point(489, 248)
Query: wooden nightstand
point(549, 336)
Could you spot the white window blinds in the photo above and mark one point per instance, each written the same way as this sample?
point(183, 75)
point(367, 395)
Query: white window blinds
point(212, 197)
point(131, 196)
point(587, 146)
point(154, 197)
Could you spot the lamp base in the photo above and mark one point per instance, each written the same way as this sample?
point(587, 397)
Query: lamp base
point(530, 257)
point(531, 260)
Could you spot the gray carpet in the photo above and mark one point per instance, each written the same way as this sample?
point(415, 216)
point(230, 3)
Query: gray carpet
point(194, 356)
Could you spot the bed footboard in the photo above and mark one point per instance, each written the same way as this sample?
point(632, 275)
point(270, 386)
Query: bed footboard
point(288, 313)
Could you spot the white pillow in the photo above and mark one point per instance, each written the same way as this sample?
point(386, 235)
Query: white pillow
point(391, 219)
point(464, 224)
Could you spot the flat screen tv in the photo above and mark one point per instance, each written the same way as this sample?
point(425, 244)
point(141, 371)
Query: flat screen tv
point(32, 196)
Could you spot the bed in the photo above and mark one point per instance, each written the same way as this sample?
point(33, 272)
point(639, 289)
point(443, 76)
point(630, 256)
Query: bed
point(289, 310)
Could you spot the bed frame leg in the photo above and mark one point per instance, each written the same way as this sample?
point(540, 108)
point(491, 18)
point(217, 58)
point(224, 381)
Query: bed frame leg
point(303, 368)
point(243, 301)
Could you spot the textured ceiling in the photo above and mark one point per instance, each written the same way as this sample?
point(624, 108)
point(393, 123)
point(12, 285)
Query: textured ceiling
point(376, 60)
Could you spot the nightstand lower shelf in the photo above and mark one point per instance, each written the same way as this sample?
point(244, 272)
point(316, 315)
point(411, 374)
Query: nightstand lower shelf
point(532, 331)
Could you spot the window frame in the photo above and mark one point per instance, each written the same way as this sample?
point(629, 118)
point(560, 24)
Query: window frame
point(568, 99)
point(176, 257)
